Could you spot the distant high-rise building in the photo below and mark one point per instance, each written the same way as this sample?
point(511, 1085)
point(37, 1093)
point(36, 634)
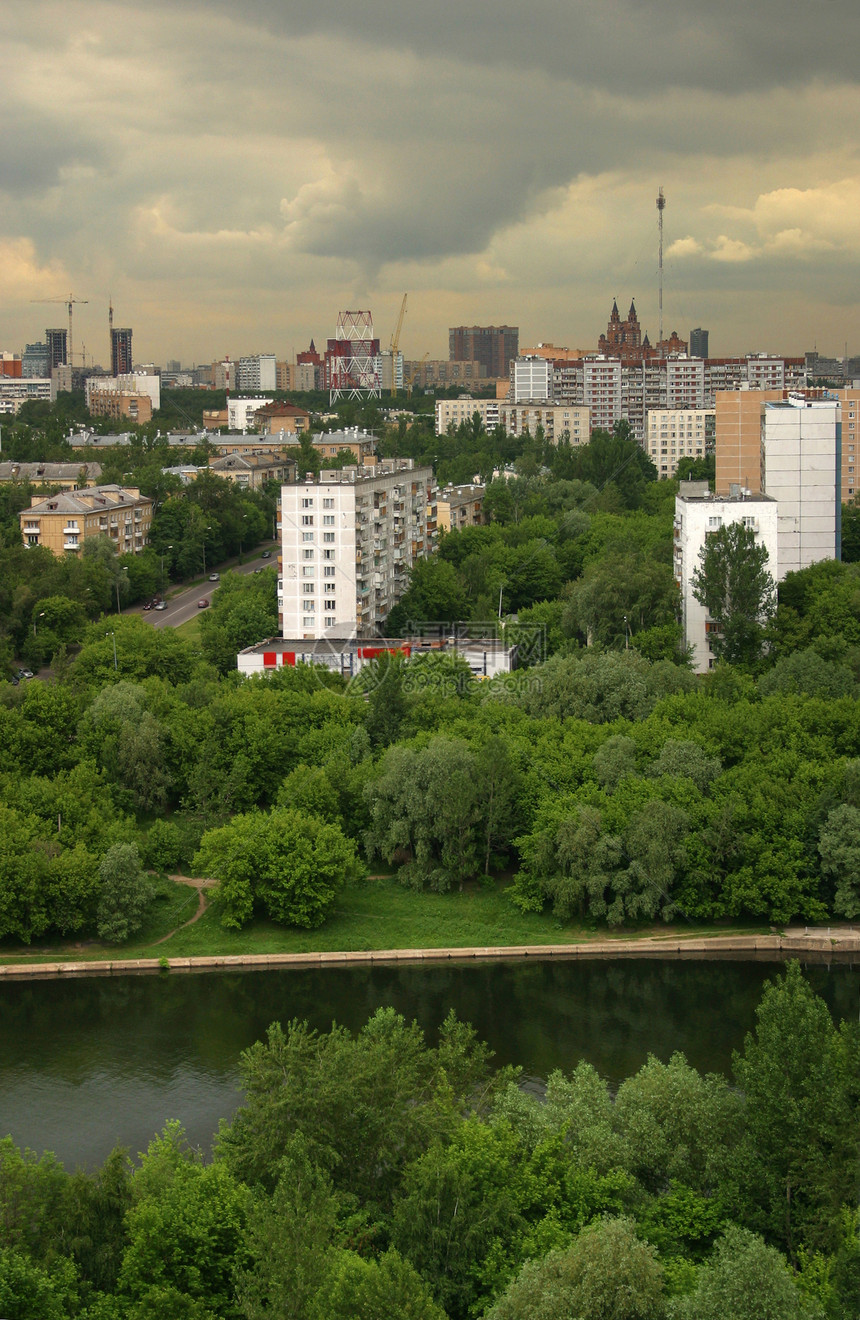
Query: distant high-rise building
point(494, 346)
point(57, 342)
point(120, 351)
point(699, 343)
point(34, 361)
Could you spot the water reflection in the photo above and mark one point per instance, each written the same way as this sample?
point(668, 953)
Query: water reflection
point(89, 1063)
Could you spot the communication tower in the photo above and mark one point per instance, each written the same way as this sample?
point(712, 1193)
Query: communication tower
point(661, 206)
point(352, 359)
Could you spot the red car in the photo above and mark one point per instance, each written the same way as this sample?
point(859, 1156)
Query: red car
point(202, 604)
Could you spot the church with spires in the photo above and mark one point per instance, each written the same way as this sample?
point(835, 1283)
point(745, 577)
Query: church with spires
point(624, 339)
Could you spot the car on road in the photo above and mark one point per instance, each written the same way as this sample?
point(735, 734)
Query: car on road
point(162, 605)
point(203, 603)
point(214, 577)
point(25, 673)
point(267, 554)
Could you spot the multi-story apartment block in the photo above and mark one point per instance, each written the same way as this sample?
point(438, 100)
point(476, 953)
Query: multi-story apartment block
point(257, 372)
point(63, 476)
point(241, 413)
point(698, 343)
point(531, 379)
point(601, 391)
point(676, 433)
point(15, 391)
point(801, 464)
point(453, 412)
point(348, 540)
point(559, 422)
point(121, 360)
point(458, 507)
point(275, 417)
point(849, 418)
point(133, 382)
point(63, 522)
point(699, 514)
point(120, 403)
point(492, 345)
point(433, 372)
point(253, 471)
point(34, 361)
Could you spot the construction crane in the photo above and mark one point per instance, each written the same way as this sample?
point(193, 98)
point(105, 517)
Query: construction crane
point(70, 302)
point(395, 344)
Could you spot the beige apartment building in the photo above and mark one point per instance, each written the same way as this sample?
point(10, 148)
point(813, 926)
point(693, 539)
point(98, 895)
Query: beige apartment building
point(676, 433)
point(849, 408)
point(738, 415)
point(559, 421)
point(121, 403)
point(252, 471)
point(458, 507)
point(63, 522)
point(65, 476)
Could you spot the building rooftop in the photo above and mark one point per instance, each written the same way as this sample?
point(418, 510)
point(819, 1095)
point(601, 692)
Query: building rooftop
point(92, 497)
point(44, 473)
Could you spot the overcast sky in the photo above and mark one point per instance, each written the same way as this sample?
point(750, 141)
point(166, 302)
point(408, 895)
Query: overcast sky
point(233, 175)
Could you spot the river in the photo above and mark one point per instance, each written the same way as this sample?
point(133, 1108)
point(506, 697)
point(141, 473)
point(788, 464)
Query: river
point(89, 1063)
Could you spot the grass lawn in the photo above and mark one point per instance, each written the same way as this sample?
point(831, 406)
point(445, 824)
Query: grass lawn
point(190, 631)
point(378, 914)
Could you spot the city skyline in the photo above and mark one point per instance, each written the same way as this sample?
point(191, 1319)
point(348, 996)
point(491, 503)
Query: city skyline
point(232, 181)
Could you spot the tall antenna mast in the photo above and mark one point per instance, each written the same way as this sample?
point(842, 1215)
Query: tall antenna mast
point(661, 206)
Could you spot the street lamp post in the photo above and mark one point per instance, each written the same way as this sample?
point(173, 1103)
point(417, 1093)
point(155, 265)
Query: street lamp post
point(125, 570)
point(113, 635)
point(38, 616)
point(170, 547)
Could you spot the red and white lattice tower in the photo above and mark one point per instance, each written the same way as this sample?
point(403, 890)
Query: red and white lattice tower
point(352, 359)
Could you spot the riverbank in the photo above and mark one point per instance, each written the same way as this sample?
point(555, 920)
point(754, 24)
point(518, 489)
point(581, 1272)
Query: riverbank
point(381, 921)
point(840, 944)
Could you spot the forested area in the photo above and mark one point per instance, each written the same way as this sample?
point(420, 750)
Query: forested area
point(377, 1174)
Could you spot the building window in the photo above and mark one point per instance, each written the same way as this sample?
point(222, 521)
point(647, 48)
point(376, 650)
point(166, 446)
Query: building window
point(307, 504)
point(308, 622)
point(328, 536)
point(308, 571)
point(307, 520)
point(328, 520)
point(330, 604)
point(329, 623)
point(328, 587)
point(308, 588)
point(307, 605)
point(328, 504)
point(307, 536)
point(328, 554)
point(328, 571)
point(307, 554)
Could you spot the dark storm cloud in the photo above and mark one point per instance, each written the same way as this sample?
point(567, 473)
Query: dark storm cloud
point(637, 46)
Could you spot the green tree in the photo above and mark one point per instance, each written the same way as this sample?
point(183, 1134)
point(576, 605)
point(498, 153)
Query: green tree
point(745, 1280)
point(839, 847)
point(606, 1274)
point(290, 863)
point(735, 586)
point(126, 892)
point(384, 1289)
point(799, 1160)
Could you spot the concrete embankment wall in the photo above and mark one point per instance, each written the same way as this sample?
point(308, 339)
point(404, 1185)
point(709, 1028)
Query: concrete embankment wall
point(836, 944)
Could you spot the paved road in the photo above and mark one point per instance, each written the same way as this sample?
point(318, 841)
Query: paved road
point(182, 605)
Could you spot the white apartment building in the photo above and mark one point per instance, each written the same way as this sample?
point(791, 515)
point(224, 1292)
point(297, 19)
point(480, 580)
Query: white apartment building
point(559, 421)
point(676, 433)
point(241, 413)
point(15, 391)
point(451, 412)
point(257, 372)
point(531, 379)
point(698, 514)
point(801, 470)
point(348, 540)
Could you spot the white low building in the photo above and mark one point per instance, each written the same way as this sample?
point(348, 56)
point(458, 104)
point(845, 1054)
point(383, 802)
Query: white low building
point(699, 514)
point(486, 657)
point(241, 412)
